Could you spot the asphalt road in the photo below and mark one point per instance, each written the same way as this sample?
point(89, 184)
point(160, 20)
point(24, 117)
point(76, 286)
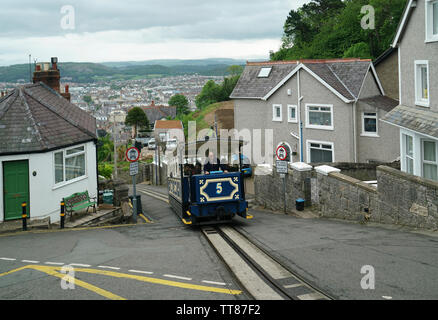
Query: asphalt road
point(330, 254)
point(167, 260)
point(160, 261)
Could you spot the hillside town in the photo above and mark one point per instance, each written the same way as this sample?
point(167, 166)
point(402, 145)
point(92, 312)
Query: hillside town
point(290, 178)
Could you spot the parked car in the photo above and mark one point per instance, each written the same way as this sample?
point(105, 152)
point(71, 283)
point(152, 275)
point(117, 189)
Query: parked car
point(152, 144)
point(171, 145)
point(246, 164)
point(143, 141)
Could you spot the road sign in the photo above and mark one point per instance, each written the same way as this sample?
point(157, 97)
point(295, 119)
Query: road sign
point(281, 153)
point(282, 167)
point(132, 154)
point(133, 168)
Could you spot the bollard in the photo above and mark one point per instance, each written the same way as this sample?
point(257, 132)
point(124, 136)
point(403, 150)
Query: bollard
point(24, 215)
point(62, 214)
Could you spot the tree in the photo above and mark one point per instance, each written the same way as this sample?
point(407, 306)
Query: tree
point(87, 99)
point(181, 103)
point(332, 29)
point(137, 118)
point(235, 70)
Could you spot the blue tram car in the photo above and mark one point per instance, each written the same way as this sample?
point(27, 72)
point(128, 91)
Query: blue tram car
point(199, 198)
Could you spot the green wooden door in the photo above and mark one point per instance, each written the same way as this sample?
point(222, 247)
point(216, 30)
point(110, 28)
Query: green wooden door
point(15, 188)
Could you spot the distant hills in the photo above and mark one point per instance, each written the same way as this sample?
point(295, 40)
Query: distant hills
point(92, 72)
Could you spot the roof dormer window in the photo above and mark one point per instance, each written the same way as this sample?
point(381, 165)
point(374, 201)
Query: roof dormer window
point(265, 72)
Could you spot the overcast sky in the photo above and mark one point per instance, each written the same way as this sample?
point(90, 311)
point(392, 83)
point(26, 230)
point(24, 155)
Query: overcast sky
point(135, 30)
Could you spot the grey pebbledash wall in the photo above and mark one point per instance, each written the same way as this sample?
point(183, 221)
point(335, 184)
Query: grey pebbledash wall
point(399, 198)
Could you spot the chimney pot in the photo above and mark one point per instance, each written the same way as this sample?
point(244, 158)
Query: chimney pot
point(66, 88)
point(153, 103)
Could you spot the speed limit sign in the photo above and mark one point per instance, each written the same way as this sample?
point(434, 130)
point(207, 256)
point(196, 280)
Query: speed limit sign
point(132, 154)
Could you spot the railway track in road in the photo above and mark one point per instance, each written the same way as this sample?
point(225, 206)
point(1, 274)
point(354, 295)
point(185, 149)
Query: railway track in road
point(261, 274)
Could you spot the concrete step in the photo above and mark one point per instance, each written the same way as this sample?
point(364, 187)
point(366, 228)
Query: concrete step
point(93, 219)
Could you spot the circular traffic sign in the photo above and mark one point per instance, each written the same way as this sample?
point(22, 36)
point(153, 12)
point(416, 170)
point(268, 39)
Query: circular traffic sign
point(132, 154)
point(281, 153)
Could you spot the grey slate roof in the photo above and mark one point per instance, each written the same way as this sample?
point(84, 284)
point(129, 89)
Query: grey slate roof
point(35, 118)
point(418, 120)
point(343, 75)
point(381, 102)
point(155, 112)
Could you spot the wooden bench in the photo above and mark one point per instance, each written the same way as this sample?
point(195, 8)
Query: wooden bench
point(79, 201)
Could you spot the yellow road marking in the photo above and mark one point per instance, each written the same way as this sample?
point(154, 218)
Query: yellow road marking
point(156, 281)
point(145, 219)
point(51, 271)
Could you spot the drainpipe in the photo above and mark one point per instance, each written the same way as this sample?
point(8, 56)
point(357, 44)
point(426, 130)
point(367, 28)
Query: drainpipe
point(355, 130)
point(96, 144)
point(300, 123)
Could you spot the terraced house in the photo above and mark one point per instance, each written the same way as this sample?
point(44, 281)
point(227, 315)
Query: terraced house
point(416, 43)
point(321, 110)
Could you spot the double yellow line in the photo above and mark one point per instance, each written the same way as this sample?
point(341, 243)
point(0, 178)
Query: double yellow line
point(54, 271)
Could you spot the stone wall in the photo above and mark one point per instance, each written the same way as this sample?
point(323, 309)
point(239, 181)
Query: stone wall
point(344, 197)
point(270, 189)
point(406, 199)
point(360, 171)
point(399, 198)
point(146, 173)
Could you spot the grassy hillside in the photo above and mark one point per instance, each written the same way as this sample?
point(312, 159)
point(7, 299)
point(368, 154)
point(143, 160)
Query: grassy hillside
point(91, 72)
point(204, 118)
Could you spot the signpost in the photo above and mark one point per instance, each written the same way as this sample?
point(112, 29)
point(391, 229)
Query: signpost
point(282, 168)
point(132, 155)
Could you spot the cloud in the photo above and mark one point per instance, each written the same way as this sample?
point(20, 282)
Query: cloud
point(35, 26)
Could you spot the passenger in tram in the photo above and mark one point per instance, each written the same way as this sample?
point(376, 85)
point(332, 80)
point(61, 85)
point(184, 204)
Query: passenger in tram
point(214, 164)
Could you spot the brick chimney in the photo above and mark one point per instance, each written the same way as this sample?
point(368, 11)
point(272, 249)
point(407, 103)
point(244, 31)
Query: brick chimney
point(66, 93)
point(48, 74)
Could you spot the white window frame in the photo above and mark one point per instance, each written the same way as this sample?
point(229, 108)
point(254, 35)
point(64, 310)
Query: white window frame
point(309, 142)
point(64, 157)
point(320, 127)
point(274, 113)
point(405, 155)
point(426, 161)
point(430, 37)
point(289, 113)
point(419, 101)
point(370, 134)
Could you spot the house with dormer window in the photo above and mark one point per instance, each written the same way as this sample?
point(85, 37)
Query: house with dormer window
point(319, 110)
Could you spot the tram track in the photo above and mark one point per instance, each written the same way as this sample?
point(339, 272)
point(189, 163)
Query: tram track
point(261, 275)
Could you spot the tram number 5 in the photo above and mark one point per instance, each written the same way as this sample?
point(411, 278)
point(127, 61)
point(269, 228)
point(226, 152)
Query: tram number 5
point(219, 188)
